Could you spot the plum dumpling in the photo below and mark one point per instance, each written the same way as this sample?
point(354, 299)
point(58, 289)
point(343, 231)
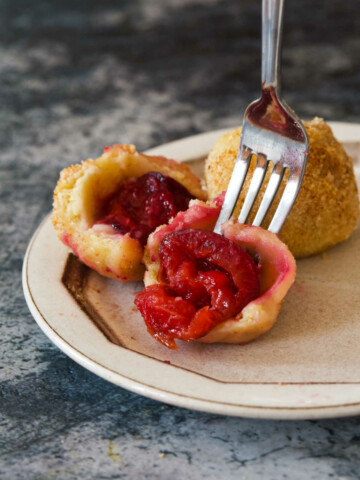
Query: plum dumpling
point(105, 209)
point(326, 210)
point(213, 288)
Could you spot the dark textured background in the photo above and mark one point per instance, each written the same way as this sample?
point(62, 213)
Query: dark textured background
point(76, 75)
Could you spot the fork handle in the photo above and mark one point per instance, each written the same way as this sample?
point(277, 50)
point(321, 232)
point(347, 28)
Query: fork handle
point(272, 15)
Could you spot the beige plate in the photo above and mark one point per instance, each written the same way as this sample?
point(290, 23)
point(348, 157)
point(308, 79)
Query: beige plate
point(307, 366)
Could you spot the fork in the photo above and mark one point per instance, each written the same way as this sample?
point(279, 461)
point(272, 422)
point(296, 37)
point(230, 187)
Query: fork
point(272, 133)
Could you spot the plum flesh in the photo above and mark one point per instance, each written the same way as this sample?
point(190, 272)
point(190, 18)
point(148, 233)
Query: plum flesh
point(142, 204)
point(204, 278)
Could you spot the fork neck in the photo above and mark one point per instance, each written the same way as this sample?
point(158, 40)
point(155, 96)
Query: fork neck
point(272, 15)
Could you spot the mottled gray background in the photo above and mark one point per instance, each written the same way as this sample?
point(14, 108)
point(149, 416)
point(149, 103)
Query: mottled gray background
point(76, 75)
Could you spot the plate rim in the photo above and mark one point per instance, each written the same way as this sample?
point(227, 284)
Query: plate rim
point(174, 398)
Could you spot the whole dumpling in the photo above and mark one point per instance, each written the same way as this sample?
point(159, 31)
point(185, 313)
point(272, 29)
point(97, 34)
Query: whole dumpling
point(327, 208)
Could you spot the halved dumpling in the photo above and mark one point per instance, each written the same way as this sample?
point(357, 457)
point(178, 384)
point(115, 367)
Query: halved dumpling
point(79, 199)
point(277, 273)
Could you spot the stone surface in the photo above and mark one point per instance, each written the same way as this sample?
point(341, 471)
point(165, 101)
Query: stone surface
point(75, 76)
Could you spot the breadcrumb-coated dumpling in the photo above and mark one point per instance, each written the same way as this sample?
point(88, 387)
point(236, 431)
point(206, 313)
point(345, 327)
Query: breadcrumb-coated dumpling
point(79, 197)
point(327, 207)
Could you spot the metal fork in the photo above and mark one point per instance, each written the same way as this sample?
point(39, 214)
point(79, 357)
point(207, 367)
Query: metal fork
point(273, 133)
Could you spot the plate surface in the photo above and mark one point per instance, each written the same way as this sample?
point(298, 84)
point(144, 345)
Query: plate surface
point(307, 366)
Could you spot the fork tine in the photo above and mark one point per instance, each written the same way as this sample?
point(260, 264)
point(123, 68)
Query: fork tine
point(237, 179)
point(287, 200)
point(269, 195)
point(254, 188)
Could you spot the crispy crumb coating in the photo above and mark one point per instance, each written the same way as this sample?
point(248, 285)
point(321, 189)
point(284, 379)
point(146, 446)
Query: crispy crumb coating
point(79, 195)
point(327, 207)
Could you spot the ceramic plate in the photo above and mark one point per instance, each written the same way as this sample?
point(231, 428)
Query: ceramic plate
point(307, 366)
